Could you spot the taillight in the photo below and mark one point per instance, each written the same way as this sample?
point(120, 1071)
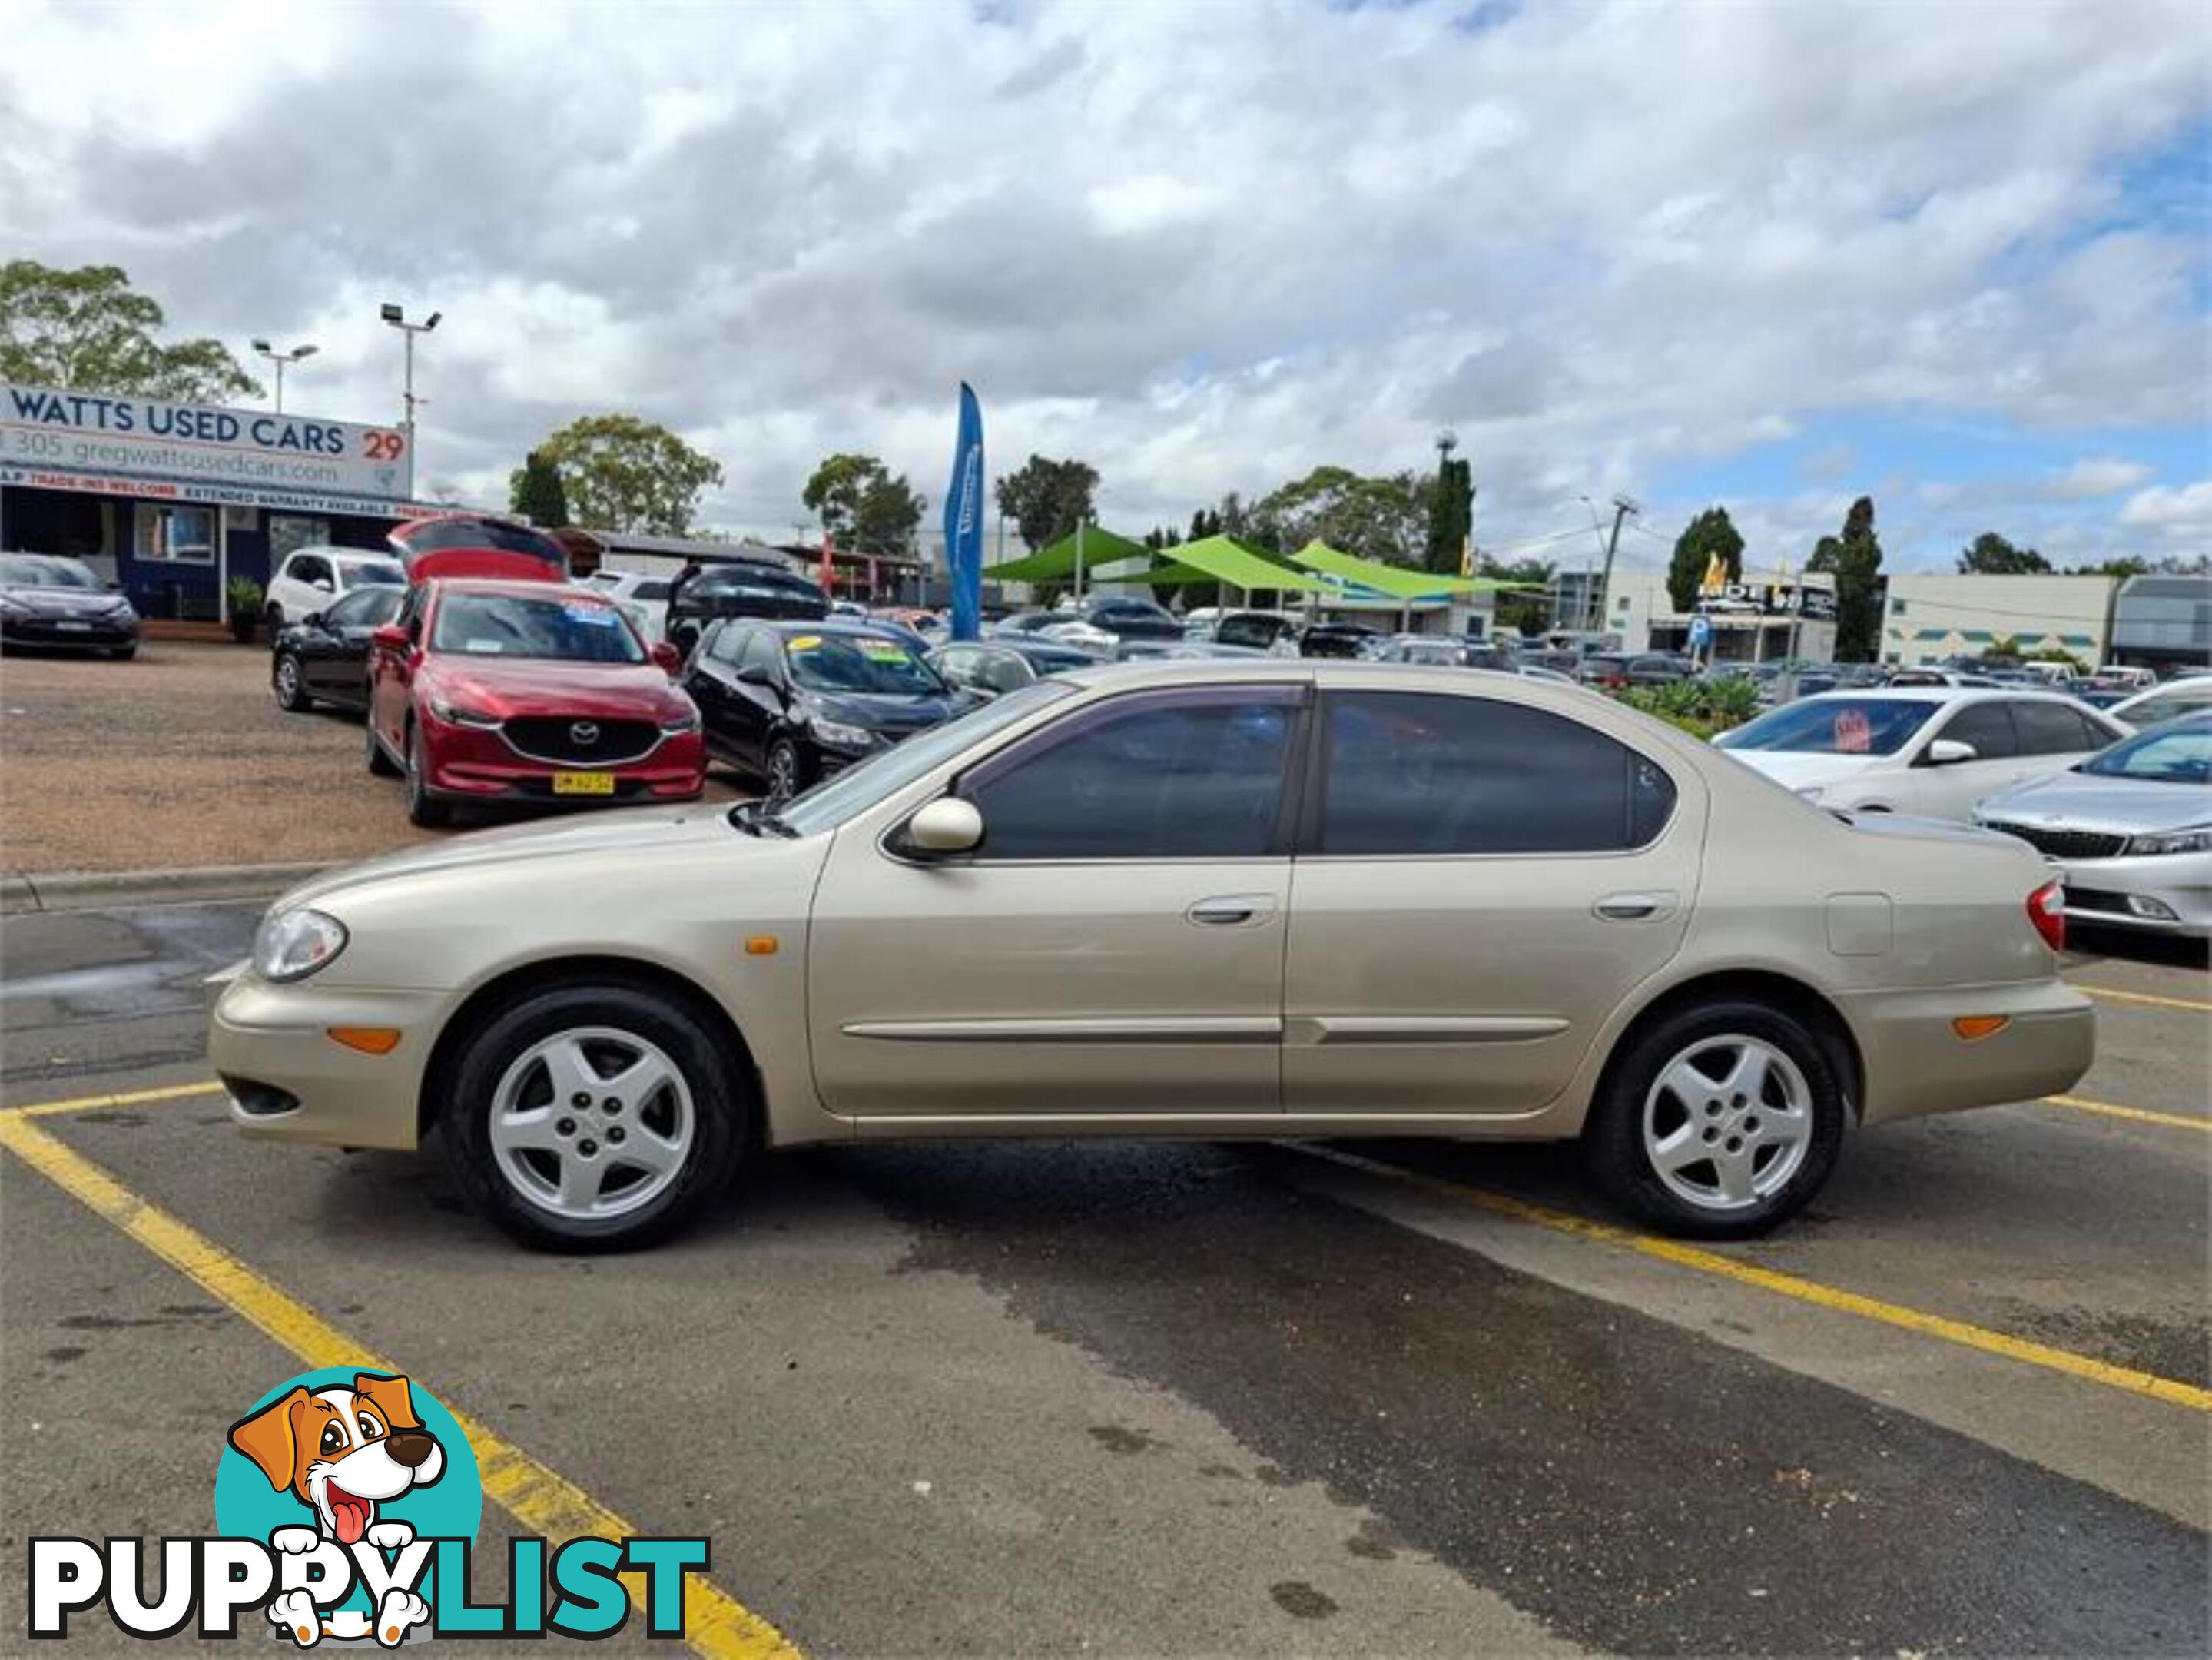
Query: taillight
point(2046, 908)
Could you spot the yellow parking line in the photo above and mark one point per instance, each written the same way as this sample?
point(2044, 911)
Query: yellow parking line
point(543, 1502)
point(2169, 1389)
point(2112, 994)
point(2137, 1114)
point(128, 1098)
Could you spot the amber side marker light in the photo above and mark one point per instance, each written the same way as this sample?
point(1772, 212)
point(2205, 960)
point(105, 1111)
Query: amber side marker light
point(1972, 1028)
point(369, 1040)
point(760, 945)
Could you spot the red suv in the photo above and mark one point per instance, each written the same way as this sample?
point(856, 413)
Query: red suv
point(526, 691)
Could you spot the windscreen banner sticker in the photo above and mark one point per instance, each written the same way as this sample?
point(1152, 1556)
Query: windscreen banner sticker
point(806, 642)
point(600, 616)
point(1854, 733)
point(347, 1505)
point(883, 651)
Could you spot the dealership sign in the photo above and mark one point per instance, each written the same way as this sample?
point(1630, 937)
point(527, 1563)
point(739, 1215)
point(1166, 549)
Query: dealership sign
point(244, 456)
point(1773, 600)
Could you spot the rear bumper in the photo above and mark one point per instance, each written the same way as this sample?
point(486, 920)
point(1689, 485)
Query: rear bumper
point(290, 1080)
point(1917, 1065)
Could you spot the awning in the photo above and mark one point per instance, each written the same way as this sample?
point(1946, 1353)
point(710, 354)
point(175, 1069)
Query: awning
point(1057, 562)
point(1393, 582)
point(1217, 559)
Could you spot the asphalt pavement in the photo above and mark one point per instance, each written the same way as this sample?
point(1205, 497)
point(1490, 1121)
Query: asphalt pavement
point(1154, 1398)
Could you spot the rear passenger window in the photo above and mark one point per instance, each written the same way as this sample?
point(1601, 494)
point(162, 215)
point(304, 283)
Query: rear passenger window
point(1988, 727)
point(2054, 729)
point(1419, 773)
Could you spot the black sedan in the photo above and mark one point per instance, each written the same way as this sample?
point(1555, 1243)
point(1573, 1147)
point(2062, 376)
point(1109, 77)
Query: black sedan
point(324, 657)
point(48, 600)
point(795, 701)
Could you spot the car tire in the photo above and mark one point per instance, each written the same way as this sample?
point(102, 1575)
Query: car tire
point(516, 1141)
point(785, 771)
point(289, 685)
point(1718, 1121)
point(424, 809)
point(380, 764)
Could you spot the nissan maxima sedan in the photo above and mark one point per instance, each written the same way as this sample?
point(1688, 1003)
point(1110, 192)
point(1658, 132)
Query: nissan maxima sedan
point(2129, 830)
point(1274, 898)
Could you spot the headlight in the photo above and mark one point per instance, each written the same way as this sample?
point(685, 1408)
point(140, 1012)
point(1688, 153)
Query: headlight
point(676, 726)
point(454, 715)
point(13, 607)
point(838, 735)
point(119, 607)
point(292, 945)
point(2196, 839)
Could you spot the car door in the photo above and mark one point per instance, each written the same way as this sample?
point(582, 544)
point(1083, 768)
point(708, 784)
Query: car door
point(1114, 945)
point(391, 671)
point(1950, 790)
point(756, 705)
point(708, 678)
point(340, 674)
point(1480, 884)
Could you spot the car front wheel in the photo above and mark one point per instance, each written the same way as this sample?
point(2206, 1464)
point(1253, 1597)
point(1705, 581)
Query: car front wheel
point(423, 808)
point(786, 771)
point(290, 687)
point(1717, 1122)
point(595, 1117)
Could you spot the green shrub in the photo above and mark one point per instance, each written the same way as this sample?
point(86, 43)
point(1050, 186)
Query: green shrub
point(1704, 708)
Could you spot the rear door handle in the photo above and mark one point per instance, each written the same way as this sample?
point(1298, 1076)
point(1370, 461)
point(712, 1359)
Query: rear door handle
point(1635, 907)
point(1229, 910)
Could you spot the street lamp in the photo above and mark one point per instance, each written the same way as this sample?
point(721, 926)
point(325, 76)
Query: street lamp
point(398, 318)
point(282, 360)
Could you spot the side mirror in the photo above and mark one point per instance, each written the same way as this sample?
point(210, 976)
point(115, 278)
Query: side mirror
point(390, 637)
point(1950, 752)
point(313, 619)
point(670, 658)
point(947, 825)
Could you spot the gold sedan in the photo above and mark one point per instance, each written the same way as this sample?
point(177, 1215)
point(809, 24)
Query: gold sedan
point(1197, 899)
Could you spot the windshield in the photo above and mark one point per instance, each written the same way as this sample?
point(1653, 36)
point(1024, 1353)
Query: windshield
point(858, 663)
point(572, 630)
point(1835, 726)
point(377, 573)
point(2178, 754)
point(18, 572)
point(860, 786)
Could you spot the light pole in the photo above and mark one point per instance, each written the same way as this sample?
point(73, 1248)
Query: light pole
point(282, 360)
point(394, 315)
point(1623, 506)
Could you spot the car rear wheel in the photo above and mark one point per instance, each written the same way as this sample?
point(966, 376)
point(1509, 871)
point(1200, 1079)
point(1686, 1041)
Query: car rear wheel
point(595, 1117)
point(1717, 1122)
point(380, 764)
point(289, 685)
point(786, 771)
point(423, 808)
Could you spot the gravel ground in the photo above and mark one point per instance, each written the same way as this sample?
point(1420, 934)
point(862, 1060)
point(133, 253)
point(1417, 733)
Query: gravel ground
point(180, 759)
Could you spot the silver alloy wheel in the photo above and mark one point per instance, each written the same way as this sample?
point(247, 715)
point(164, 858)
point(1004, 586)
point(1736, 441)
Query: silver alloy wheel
point(1728, 1122)
point(583, 1107)
point(782, 772)
point(287, 680)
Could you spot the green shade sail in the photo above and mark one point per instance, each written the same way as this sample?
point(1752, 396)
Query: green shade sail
point(1217, 559)
point(1394, 582)
point(1056, 563)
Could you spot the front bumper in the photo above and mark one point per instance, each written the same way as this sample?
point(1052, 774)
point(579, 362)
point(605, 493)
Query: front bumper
point(71, 633)
point(1917, 1065)
point(290, 1080)
point(2161, 893)
point(477, 765)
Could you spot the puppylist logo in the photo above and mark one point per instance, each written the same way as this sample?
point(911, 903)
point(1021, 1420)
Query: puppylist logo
point(347, 1505)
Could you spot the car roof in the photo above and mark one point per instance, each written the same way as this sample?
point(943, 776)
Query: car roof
point(1939, 694)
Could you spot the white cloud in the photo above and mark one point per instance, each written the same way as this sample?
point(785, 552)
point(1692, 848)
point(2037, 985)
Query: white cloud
point(2184, 514)
point(1205, 247)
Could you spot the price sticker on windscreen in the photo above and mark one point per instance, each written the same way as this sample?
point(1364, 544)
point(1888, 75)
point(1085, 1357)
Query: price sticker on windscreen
point(1854, 733)
point(806, 642)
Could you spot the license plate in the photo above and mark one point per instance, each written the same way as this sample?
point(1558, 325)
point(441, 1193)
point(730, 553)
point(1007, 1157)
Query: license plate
point(74, 627)
point(583, 783)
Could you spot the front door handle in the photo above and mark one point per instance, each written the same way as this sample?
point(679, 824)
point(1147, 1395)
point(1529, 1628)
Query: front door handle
point(1635, 907)
point(1230, 910)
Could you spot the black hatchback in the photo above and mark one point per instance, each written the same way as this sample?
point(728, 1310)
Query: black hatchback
point(324, 657)
point(793, 702)
point(48, 600)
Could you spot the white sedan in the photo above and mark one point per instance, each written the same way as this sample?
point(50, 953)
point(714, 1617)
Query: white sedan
point(1932, 751)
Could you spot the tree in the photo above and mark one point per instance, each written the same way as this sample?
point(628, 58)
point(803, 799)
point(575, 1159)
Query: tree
point(1451, 514)
point(1204, 524)
point(533, 489)
point(623, 472)
point(1990, 554)
point(86, 329)
point(1526, 613)
point(1163, 536)
point(1385, 519)
point(863, 503)
point(1854, 559)
point(1711, 533)
point(1048, 499)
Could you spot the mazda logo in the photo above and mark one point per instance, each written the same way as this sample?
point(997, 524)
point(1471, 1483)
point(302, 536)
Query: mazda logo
point(583, 732)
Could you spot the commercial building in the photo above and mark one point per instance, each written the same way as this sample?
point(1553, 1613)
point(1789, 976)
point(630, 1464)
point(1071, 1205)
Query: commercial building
point(1930, 618)
point(173, 499)
point(2163, 623)
point(1766, 616)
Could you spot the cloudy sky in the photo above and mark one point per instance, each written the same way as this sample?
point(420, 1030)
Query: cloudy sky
point(1769, 255)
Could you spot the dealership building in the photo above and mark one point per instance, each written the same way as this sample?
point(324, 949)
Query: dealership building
point(171, 500)
point(1763, 618)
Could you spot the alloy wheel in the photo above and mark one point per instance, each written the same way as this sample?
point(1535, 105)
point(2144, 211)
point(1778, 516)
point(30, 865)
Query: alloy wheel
point(591, 1122)
point(287, 681)
point(782, 772)
point(1728, 1122)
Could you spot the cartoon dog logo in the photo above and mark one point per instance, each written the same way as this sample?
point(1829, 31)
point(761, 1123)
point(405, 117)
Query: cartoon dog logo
point(342, 1452)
